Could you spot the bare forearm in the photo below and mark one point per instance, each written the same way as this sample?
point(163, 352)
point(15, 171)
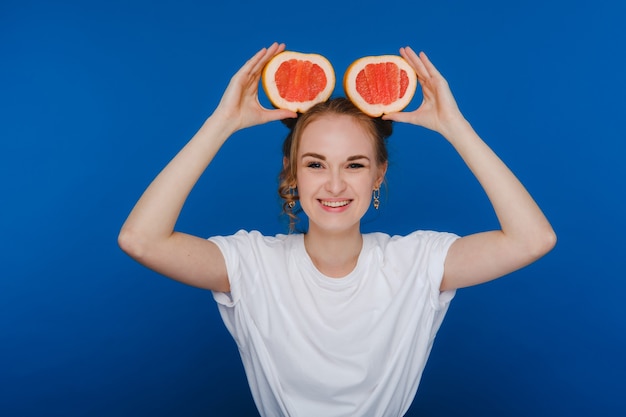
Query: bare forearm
point(520, 217)
point(157, 211)
point(524, 235)
point(148, 234)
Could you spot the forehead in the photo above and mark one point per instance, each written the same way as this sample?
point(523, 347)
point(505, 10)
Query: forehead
point(336, 134)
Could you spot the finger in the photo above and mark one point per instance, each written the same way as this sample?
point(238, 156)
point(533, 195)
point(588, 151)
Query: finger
point(270, 115)
point(429, 65)
point(280, 114)
point(402, 117)
point(260, 57)
point(270, 52)
point(420, 69)
point(259, 60)
point(281, 47)
point(249, 65)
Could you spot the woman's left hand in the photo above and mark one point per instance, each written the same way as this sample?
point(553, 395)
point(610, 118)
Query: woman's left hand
point(524, 235)
point(438, 110)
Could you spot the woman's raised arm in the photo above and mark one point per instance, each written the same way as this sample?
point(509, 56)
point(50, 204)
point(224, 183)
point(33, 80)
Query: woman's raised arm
point(525, 233)
point(148, 234)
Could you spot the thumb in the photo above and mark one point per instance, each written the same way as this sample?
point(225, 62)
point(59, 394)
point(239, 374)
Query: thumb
point(280, 114)
point(402, 117)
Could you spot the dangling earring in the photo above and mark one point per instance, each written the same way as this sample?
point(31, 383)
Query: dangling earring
point(376, 194)
point(292, 203)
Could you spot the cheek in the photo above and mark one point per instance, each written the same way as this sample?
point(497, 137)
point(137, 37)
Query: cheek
point(371, 181)
point(304, 183)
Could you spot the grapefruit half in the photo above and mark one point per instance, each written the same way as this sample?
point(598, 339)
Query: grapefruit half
point(297, 81)
point(380, 84)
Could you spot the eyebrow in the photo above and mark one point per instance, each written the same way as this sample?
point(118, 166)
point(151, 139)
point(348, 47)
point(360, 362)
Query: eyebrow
point(323, 158)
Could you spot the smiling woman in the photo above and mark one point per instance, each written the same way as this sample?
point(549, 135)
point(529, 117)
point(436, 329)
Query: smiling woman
point(333, 115)
point(337, 173)
point(334, 322)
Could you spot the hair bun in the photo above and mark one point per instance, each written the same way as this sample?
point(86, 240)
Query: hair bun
point(290, 122)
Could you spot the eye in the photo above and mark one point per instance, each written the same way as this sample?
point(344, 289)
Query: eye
point(355, 165)
point(314, 164)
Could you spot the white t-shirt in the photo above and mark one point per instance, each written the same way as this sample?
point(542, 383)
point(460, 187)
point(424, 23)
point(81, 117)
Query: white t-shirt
point(312, 345)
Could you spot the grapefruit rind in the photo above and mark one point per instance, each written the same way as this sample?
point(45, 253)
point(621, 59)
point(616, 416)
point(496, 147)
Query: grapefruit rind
point(378, 109)
point(272, 89)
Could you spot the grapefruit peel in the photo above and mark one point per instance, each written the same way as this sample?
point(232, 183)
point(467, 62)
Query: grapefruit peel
point(297, 81)
point(381, 84)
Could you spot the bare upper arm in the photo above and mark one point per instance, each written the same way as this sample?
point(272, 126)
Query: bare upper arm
point(482, 257)
point(185, 258)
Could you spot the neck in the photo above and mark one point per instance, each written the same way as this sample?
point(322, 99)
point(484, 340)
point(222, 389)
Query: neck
point(334, 254)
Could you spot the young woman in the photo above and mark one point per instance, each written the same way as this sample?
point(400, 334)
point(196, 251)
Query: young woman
point(334, 322)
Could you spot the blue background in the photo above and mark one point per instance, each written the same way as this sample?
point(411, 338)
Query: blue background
point(96, 97)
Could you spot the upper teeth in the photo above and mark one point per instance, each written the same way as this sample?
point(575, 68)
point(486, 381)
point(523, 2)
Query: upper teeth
point(335, 203)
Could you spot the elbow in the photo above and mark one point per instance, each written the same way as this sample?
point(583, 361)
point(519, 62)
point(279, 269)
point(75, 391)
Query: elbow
point(543, 242)
point(131, 243)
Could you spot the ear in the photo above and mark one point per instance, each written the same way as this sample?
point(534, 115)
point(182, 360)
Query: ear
point(382, 170)
point(285, 167)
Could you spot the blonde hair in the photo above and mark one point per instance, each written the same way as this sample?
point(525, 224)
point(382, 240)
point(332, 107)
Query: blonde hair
point(378, 129)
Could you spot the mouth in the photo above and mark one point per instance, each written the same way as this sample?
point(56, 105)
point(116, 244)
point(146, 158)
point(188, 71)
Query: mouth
point(335, 203)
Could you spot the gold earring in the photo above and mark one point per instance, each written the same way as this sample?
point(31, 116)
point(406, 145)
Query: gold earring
point(376, 195)
point(292, 203)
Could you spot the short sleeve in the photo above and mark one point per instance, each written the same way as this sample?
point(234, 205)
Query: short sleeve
point(438, 245)
point(234, 248)
point(424, 254)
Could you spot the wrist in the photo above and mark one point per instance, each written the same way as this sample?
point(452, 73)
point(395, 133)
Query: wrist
point(456, 127)
point(220, 125)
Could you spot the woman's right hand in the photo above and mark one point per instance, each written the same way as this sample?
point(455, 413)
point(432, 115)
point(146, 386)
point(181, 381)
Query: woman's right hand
point(148, 234)
point(240, 104)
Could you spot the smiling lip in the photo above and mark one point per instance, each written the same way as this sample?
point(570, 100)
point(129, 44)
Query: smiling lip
point(335, 203)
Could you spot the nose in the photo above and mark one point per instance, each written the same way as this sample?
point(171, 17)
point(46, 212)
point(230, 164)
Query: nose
point(335, 183)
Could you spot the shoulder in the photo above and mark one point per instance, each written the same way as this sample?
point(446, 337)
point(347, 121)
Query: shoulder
point(417, 240)
point(250, 258)
point(419, 248)
point(244, 241)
